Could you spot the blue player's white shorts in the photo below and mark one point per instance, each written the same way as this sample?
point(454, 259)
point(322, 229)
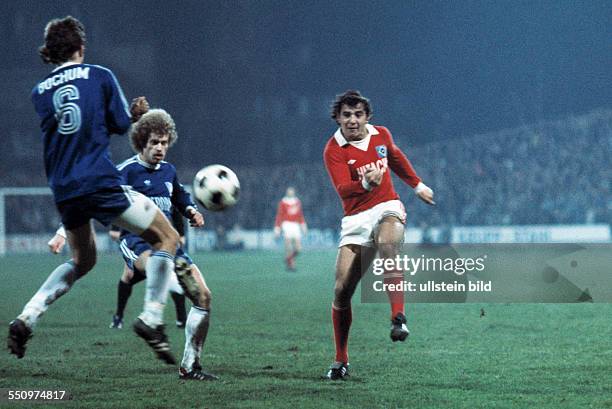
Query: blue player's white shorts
point(121, 206)
point(132, 246)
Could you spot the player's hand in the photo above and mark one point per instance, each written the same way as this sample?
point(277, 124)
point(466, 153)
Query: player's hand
point(374, 176)
point(425, 193)
point(196, 219)
point(138, 108)
point(304, 229)
point(114, 234)
point(56, 244)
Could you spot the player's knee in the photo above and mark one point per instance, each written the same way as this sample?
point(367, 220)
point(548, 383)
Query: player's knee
point(171, 238)
point(167, 239)
point(342, 295)
point(388, 250)
point(205, 298)
point(127, 275)
point(82, 265)
point(342, 302)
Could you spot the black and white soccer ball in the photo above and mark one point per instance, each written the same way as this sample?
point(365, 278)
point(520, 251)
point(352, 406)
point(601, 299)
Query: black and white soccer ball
point(216, 187)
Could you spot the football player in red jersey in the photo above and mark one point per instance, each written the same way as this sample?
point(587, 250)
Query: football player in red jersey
point(358, 158)
point(290, 221)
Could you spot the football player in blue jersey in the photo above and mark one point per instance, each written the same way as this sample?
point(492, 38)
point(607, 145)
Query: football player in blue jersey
point(80, 106)
point(148, 173)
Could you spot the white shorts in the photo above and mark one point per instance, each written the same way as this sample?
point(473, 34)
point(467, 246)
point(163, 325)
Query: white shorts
point(359, 228)
point(138, 217)
point(291, 230)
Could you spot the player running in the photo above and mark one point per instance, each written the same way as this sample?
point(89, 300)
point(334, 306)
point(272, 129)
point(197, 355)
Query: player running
point(290, 221)
point(357, 158)
point(80, 106)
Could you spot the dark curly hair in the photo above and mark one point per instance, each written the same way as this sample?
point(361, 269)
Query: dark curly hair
point(155, 121)
point(63, 37)
point(351, 98)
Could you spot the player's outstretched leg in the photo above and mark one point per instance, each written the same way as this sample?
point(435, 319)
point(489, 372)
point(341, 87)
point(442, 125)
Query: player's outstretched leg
point(149, 325)
point(83, 247)
point(144, 218)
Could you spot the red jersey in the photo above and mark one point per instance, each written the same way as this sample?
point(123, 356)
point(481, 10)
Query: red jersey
point(289, 210)
point(347, 164)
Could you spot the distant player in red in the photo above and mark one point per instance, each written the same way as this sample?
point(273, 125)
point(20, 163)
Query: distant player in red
point(358, 158)
point(290, 221)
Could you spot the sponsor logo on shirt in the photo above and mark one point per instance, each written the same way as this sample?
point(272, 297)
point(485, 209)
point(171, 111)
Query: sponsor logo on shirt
point(380, 164)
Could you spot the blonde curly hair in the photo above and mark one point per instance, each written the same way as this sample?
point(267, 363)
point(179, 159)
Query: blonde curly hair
point(156, 121)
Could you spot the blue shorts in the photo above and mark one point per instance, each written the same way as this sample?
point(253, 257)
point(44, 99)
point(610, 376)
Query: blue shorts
point(132, 246)
point(104, 206)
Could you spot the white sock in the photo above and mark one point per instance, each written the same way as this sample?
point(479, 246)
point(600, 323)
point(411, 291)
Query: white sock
point(57, 284)
point(159, 267)
point(196, 330)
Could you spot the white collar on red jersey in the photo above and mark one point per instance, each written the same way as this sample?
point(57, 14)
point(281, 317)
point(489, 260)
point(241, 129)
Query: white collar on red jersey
point(290, 200)
point(342, 140)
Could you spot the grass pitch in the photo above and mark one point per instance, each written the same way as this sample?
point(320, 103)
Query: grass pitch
point(271, 341)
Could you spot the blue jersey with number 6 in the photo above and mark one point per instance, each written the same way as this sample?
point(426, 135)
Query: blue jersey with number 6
point(80, 106)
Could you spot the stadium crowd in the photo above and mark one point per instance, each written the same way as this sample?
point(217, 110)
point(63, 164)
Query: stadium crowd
point(552, 172)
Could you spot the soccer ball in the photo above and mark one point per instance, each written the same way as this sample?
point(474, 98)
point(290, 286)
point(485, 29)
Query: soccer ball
point(216, 187)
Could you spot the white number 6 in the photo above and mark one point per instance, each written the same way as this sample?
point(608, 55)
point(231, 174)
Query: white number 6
point(68, 114)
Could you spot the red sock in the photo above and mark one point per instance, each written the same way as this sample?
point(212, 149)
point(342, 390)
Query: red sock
point(396, 298)
point(342, 320)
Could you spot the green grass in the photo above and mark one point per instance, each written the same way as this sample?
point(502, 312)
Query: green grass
point(271, 340)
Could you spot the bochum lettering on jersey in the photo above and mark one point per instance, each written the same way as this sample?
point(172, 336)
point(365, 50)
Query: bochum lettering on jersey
point(164, 203)
point(64, 76)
